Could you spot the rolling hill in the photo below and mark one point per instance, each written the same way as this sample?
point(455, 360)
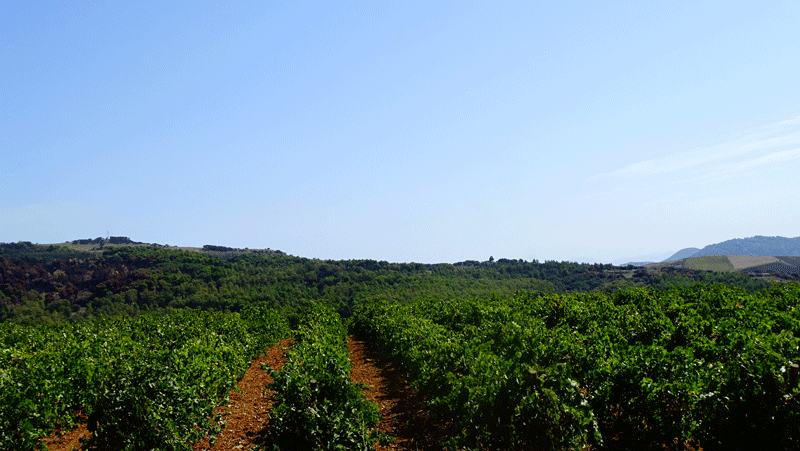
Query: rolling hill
point(756, 245)
point(683, 253)
point(786, 267)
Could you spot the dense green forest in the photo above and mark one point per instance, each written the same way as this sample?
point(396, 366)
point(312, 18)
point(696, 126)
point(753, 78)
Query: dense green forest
point(49, 283)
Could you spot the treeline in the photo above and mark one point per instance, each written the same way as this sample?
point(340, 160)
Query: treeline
point(52, 283)
point(35, 253)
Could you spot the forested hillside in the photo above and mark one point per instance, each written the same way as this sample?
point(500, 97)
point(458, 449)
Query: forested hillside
point(756, 245)
point(49, 283)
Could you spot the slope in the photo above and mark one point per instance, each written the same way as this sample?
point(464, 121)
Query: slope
point(757, 245)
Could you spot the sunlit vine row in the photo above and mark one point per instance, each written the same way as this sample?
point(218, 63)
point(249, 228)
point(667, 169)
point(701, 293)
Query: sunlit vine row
point(638, 369)
point(149, 382)
point(319, 406)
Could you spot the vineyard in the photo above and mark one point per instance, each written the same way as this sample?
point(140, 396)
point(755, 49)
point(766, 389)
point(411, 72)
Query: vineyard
point(149, 382)
point(785, 265)
point(320, 407)
point(710, 367)
point(636, 370)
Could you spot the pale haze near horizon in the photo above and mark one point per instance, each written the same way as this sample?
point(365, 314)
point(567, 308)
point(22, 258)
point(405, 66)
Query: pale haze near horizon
point(402, 131)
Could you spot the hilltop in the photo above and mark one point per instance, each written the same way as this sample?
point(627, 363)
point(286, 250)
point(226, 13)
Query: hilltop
point(683, 253)
point(756, 245)
point(106, 277)
point(757, 255)
point(765, 267)
point(753, 246)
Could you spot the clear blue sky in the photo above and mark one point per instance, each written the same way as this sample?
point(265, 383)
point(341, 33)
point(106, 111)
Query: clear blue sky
point(402, 131)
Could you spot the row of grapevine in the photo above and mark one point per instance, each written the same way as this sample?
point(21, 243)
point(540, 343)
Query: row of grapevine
point(319, 406)
point(632, 370)
point(777, 267)
point(149, 382)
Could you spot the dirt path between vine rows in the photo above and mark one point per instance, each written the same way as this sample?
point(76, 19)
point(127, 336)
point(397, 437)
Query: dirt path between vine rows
point(404, 415)
point(249, 410)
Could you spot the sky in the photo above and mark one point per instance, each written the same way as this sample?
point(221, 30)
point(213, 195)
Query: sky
point(405, 131)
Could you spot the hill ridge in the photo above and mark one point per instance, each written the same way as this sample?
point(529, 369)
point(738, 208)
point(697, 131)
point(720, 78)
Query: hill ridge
point(758, 245)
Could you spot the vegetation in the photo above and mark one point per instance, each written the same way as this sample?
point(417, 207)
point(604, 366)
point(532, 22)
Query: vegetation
point(42, 285)
point(787, 266)
point(716, 263)
point(510, 354)
point(145, 383)
point(320, 408)
point(756, 245)
point(633, 370)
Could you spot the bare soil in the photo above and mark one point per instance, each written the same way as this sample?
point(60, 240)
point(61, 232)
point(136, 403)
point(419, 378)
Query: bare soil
point(245, 416)
point(62, 440)
point(249, 410)
point(747, 261)
point(404, 414)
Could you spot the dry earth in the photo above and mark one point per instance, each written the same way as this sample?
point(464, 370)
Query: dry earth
point(247, 417)
point(61, 440)
point(746, 261)
point(249, 410)
point(404, 415)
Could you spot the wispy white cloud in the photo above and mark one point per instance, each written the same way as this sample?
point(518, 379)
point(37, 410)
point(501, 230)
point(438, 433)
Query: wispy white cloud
point(795, 121)
point(774, 144)
point(775, 157)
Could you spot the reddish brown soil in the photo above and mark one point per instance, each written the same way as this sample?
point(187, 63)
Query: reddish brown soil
point(404, 415)
point(68, 441)
point(247, 418)
point(249, 410)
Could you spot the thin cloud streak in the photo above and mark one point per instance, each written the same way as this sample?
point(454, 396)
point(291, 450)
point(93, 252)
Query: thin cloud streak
point(711, 162)
point(776, 157)
point(729, 170)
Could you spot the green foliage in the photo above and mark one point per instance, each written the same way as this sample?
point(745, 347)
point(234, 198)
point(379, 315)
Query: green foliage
point(718, 263)
point(131, 280)
point(149, 382)
point(320, 408)
point(34, 253)
point(636, 369)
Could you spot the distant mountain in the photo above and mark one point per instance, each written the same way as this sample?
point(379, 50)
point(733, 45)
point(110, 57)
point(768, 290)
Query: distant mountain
point(639, 260)
point(683, 253)
point(757, 245)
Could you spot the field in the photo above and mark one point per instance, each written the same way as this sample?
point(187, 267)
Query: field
point(761, 267)
point(717, 263)
point(706, 367)
point(746, 261)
